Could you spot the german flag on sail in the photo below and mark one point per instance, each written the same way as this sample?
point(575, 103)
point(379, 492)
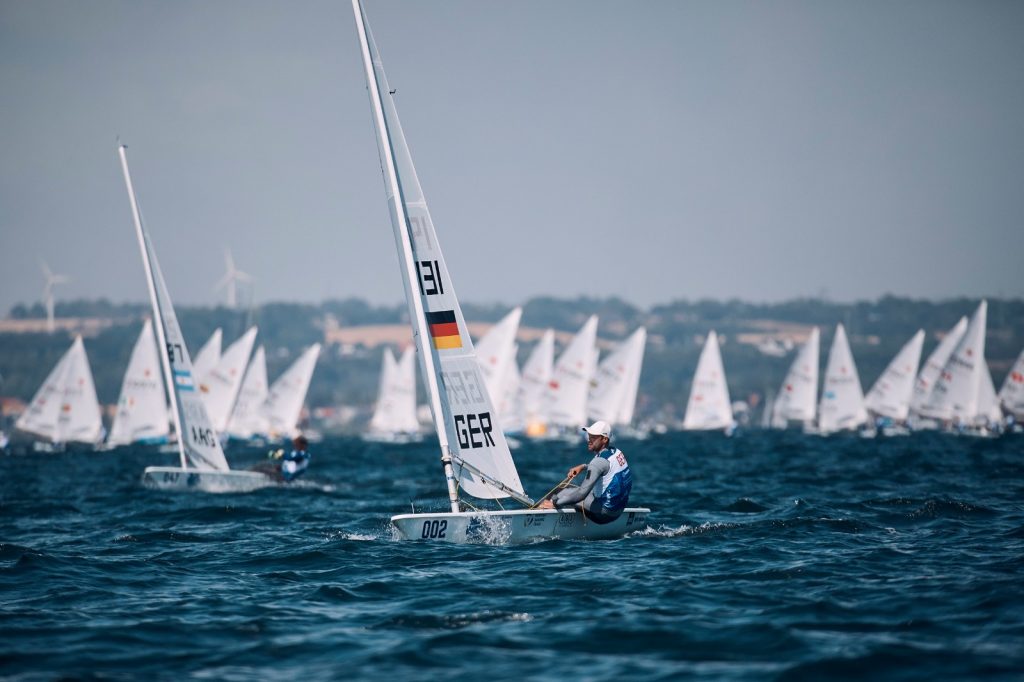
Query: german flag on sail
point(444, 330)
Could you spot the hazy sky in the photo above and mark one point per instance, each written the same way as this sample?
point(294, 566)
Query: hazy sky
point(651, 150)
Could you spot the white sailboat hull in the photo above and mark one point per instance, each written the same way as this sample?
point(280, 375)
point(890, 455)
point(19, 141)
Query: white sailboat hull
point(515, 526)
point(178, 479)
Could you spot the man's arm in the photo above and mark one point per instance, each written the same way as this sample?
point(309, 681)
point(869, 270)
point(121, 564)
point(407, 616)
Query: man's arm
point(597, 468)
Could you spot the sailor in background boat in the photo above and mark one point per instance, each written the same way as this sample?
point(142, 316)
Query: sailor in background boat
point(294, 463)
point(604, 492)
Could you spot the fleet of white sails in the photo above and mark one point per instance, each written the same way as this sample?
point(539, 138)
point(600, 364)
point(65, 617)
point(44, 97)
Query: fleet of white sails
point(65, 408)
point(545, 398)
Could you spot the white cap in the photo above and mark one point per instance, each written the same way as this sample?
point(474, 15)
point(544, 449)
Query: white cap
point(599, 428)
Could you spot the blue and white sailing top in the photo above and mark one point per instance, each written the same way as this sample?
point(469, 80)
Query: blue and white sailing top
point(606, 488)
point(612, 490)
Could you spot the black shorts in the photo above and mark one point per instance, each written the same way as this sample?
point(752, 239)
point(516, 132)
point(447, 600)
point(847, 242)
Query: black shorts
point(599, 518)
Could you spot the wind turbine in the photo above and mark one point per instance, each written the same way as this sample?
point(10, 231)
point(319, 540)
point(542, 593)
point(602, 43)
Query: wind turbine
point(231, 279)
point(51, 279)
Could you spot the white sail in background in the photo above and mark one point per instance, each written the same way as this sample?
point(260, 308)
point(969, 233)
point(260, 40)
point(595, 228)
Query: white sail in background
point(510, 412)
point(221, 384)
point(142, 406)
point(768, 410)
point(842, 400)
point(288, 393)
point(638, 344)
point(533, 383)
point(247, 417)
point(197, 440)
point(395, 412)
point(209, 355)
point(932, 368)
point(891, 392)
point(955, 395)
point(709, 406)
point(43, 411)
point(566, 397)
point(79, 420)
point(989, 411)
point(464, 415)
point(1011, 394)
point(797, 397)
point(496, 353)
point(612, 394)
point(65, 408)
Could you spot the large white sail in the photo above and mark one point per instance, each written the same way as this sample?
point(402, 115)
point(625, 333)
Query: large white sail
point(567, 390)
point(142, 405)
point(221, 384)
point(208, 355)
point(247, 417)
point(932, 368)
point(842, 400)
point(197, 440)
point(533, 383)
point(496, 353)
point(395, 412)
point(891, 392)
point(288, 393)
point(65, 408)
point(709, 406)
point(464, 415)
point(797, 397)
point(1011, 393)
point(612, 395)
point(955, 395)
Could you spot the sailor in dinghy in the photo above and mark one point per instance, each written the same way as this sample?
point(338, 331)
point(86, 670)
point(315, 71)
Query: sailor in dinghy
point(474, 452)
point(604, 493)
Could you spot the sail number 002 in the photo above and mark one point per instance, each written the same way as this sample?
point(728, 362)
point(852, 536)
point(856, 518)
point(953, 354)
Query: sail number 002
point(435, 529)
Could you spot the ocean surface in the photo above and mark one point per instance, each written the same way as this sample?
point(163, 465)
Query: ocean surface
point(768, 556)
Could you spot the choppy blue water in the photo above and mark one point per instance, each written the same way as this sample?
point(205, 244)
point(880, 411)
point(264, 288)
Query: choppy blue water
point(770, 556)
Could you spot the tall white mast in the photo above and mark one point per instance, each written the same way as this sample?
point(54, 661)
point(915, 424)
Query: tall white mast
point(397, 207)
point(158, 318)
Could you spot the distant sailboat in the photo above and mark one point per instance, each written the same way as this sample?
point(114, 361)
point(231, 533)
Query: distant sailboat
point(797, 397)
point(394, 417)
point(142, 406)
point(533, 383)
point(709, 407)
point(889, 397)
point(932, 369)
point(287, 395)
point(613, 390)
point(247, 418)
point(474, 451)
point(209, 355)
point(1011, 394)
point(954, 397)
point(203, 465)
point(496, 352)
point(65, 408)
point(842, 400)
point(220, 386)
point(566, 396)
point(989, 419)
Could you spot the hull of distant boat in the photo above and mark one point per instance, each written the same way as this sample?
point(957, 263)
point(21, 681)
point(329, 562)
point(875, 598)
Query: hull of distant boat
point(179, 479)
point(393, 438)
point(516, 526)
